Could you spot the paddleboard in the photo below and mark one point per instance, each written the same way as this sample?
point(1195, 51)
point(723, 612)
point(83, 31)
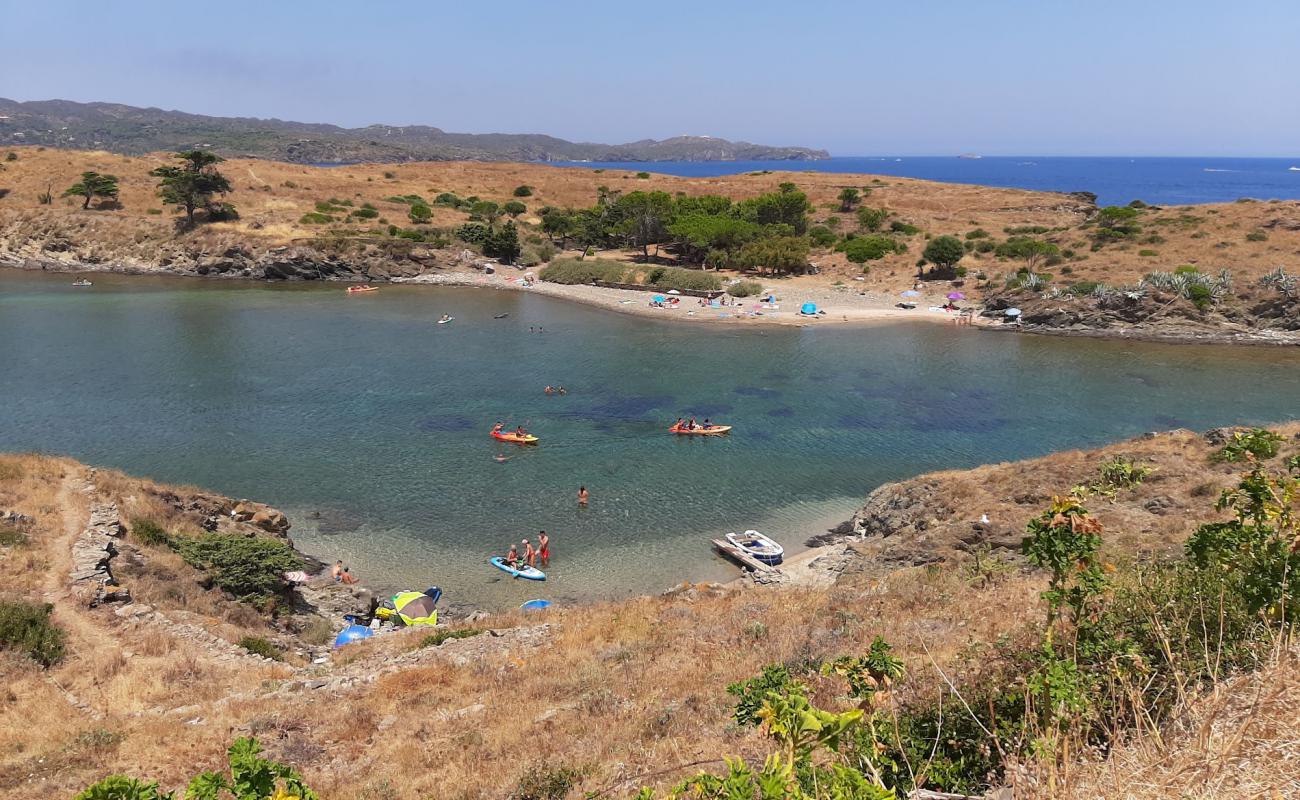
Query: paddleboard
point(445, 321)
point(527, 573)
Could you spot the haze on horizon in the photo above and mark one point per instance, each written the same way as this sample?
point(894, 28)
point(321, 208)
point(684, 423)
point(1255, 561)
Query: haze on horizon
point(927, 78)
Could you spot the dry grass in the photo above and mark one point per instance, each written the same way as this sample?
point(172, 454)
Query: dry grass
point(617, 690)
point(273, 196)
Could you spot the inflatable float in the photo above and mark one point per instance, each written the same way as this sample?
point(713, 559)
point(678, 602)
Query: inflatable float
point(712, 430)
point(527, 573)
point(514, 438)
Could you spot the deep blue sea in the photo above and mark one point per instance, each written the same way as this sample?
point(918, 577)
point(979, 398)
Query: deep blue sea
point(1115, 181)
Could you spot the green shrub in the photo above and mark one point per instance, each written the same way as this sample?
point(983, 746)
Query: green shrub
point(448, 199)
point(11, 156)
point(248, 567)
point(261, 647)
point(514, 208)
point(26, 627)
point(11, 536)
point(1026, 230)
point(315, 218)
point(366, 213)
point(744, 288)
point(523, 191)
point(251, 778)
point(1200, 295)
point(439, 636)
point(120, 787)
point(872, 218)
point(149, 533)
point(1259, 444)
point(473, 232)
point(753, 693)
point(574, 271)
point(222, 212)
point(327, 207)
point(420, 213)
point(1257, 236)
point(907, 229)
point(389, 175)
point(1148, 253)
point(821, 235)
point(868, 248)
point(153, 211)
point(643, 175)
point(677, 278)
point(1083, 288)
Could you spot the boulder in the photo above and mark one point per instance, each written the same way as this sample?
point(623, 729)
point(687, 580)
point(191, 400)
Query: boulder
point(271, 521)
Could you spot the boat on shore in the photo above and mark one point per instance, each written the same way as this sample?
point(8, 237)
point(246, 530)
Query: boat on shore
point(365, 287)
point(712, 430)
point(757, 546)
point(527, 573)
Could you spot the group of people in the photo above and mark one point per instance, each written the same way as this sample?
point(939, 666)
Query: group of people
point(555, 390)
point(532, 555)
point(341, 574)
point(691, 424)
point(500, 427)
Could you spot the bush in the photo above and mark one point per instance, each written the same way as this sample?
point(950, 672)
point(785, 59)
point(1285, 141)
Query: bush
point(26, 627)
point(643, 175)
point(438, 637)
point(149, 533)
point(1259, 444)
point(448, 199)
point(544, 782)
point(821, 235)
point(907, 229)
point(744, 288)
point(523, 191)
point(11, 156)
point(1083, 288)
point(222, 212)
point(753, 693)
point(251, 778)
point(473, 232)
point(868, 248)
point(503, 244)
point(250, 568)
point(514, 208)
point(366, 213)
point(944, 251)
point(1148, 253)
point(420, 213)
point(978, 233)
point(315, 218)
point(872, 218)
point(572, 271)
point(327, 207)
point(677, 278)
point(261, 647)
point(1257, 236)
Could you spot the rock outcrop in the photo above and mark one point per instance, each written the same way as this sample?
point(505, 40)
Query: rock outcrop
point(94, 549)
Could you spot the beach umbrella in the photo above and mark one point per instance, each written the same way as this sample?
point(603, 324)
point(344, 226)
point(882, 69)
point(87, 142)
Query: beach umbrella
point(416, 608)
point(658, 298)
point(353, 633)
point(1012, 312)
point(910, 293)
point(673, 291)
point(956, 296)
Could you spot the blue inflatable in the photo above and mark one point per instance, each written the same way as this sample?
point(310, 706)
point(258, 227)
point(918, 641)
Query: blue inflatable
point(808, 309)
point(353, 633)
point(536, 605)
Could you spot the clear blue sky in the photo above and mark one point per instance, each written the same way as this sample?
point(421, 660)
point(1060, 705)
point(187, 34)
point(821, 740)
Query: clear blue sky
point(1032, 77)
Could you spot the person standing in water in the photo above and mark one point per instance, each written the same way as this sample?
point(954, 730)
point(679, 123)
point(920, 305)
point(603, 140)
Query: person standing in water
point(583, 496)
point(530, 555)
point(544, 548)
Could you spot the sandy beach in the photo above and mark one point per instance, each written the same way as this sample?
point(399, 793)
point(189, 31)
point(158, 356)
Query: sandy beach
point(840, 304)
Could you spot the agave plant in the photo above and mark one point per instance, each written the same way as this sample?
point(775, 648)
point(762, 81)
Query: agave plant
point(1278, 279)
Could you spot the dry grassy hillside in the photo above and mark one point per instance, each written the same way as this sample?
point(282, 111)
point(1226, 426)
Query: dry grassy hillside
point(1249, 238)
point(623, 694)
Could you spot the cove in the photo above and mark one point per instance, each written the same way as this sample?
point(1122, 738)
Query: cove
point(367, 423)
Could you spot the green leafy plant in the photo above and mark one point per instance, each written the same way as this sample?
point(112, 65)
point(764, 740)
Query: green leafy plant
point(261, 647)
point(149, 533)
point(523, 191)
point(27, 628)
point(775, 679)
point(1259, 444)
point(250, 568)
point(438, 637)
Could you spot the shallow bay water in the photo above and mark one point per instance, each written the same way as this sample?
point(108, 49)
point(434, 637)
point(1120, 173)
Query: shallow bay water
point(367, 423)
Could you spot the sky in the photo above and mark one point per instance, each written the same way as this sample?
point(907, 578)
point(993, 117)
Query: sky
point(907, 77)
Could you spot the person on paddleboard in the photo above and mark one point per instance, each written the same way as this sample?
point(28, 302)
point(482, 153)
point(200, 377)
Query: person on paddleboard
point(512, 557)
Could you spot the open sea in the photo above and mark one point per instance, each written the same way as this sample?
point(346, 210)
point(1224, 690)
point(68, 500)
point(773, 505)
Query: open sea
point(1115, 181)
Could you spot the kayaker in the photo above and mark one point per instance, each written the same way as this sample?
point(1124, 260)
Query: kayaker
point(690, 426)
point(497, 427)
point(512, 557)
point(707, 424)
point(561, 390)
point(677, 426)
point(520, 432)
point(582, 496)
point(549, 390)
point(544, 548)
point(530, 555)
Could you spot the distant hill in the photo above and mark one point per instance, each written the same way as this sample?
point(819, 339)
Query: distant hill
point(131, 130)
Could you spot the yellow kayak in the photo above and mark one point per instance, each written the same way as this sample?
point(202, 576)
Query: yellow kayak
point(712, 430)
point(515, 438)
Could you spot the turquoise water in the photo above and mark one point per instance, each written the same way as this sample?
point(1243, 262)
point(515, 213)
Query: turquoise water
point(362, 411)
